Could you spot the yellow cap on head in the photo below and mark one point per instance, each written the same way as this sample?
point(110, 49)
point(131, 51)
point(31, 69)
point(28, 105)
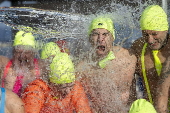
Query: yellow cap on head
point(62, 69)
point(142, 106)
point(154, 18)
point(24, 38)
point(102, 22)
point(49, 49)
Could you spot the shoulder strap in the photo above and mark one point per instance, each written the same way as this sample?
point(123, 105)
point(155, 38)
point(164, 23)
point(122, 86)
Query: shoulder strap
point(37, 70)
point(5, 73)
point(2, 105)
point(144, 73)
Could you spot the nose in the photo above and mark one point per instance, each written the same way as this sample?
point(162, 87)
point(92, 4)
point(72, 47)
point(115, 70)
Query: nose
point(100, 37)
point(150, 39)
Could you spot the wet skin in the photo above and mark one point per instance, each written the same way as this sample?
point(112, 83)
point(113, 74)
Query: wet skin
point(102, 40)
point(23, 57)
point(155, 39)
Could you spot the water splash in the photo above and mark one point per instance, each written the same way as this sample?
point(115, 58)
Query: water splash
point(74, 27)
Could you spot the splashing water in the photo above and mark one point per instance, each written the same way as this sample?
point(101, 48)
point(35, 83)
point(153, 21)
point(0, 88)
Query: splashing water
point(74, 27)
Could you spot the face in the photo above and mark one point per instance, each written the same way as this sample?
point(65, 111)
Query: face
point(155, 39)
point(102, 41)
point(23, 56)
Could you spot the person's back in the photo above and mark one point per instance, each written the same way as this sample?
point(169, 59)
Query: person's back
point(10, 102)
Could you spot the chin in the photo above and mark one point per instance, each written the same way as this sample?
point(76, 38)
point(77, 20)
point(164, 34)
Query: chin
point(101, 53)
point(155, 47)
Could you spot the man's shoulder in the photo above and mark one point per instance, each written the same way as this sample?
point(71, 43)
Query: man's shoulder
point(120, 50)
point(137, 46)
point(3, 60)
point(123, 53)
point(138, 43)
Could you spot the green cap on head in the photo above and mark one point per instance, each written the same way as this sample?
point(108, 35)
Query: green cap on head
point(62, 69)
point(142, 106)
point(24, 38)
point(49, 49)
point(102, 22)
point(154, 18)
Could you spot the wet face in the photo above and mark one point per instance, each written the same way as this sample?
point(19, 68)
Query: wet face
point(155, 39)
point(23, 56)
point(102, 41)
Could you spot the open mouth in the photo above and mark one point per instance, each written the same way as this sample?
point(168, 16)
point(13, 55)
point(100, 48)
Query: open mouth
point(153, 44)
point(101, 48)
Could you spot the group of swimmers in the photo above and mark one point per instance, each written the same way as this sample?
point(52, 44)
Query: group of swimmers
point(102, 82)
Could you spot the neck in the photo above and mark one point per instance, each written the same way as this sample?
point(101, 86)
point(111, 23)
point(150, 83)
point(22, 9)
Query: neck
point(61, 90)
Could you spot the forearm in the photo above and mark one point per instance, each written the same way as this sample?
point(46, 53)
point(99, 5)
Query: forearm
point(163, 93)
point(161, 104)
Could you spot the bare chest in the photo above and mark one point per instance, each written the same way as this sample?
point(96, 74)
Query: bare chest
point(150, 62)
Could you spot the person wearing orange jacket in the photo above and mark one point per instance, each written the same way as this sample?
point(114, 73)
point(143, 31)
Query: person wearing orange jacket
point(60, 93)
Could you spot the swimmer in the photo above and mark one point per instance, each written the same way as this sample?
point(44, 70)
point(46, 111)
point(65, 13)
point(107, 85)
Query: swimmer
point(107, 70)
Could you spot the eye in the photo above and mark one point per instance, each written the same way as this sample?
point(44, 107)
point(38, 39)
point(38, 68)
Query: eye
point(154, 34)
point(105, 34)
point(145, 34)
point(94, 34)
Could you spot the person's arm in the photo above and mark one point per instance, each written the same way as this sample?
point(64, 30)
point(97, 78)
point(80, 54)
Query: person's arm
point(128, 87)
point(3, 62)
point(33, 97)
point(13, 103)
point(80, 99)
point(163, 93)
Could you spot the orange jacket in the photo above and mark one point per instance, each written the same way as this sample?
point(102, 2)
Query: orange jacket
point(38, 99)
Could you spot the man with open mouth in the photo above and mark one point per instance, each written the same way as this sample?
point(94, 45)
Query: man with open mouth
point(107, 71)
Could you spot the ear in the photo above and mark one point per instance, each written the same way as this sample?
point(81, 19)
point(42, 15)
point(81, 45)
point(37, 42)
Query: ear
point(112, 38)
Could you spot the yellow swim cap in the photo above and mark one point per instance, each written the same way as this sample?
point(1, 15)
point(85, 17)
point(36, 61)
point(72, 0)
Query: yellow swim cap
point(62, 69)
point(142, 106)
point(23, 38)
point(154, 18)
point(49, 49)
point(102, 22)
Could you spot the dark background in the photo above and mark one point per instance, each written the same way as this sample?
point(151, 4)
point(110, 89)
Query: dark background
point(80, 6)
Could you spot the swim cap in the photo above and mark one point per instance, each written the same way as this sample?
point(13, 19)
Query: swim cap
point(142, 106)
point(24, 38)
point(102, 22)
point(62, 69)
point(154, 18)
point(49, 49)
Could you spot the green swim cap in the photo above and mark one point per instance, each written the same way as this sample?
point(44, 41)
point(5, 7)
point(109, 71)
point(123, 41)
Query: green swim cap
point(62, 69)
point(49, 49)
point(24, 38)
point(154, 18)
point(142, 106)
point(102, 22)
